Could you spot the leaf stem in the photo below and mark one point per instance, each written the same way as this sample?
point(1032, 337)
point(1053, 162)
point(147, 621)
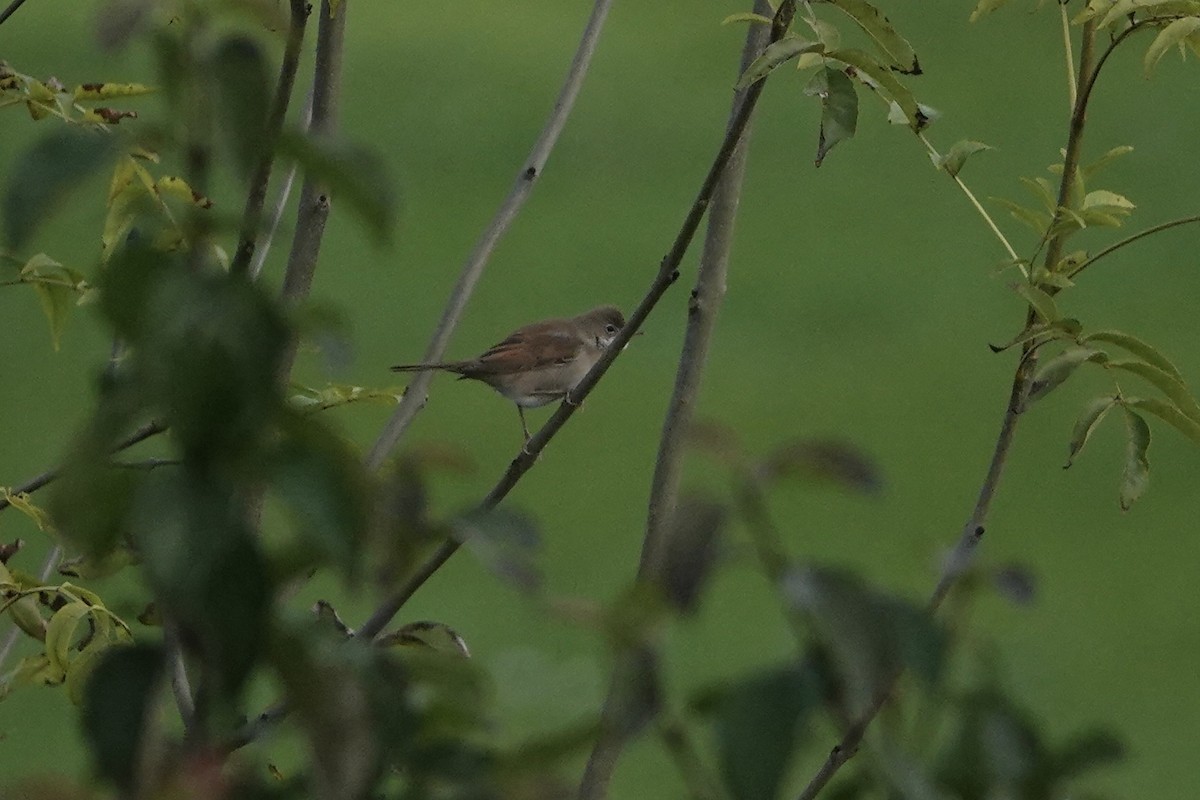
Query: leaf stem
point(1162, 226)
point(1069, 55)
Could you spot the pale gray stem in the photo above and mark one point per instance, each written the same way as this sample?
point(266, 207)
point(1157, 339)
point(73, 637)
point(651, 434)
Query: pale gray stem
point(703, 305)
point(267, 236)
point(10, 638)
point(181, 686)
point(418, 389)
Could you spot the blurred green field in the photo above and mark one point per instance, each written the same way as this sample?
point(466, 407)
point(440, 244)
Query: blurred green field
point(861, 300)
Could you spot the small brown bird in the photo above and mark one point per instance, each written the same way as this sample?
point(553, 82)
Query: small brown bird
point(539, 363)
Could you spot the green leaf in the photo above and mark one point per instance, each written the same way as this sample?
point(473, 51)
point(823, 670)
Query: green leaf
point(774, 55)
point(883, 34)
point(957, 155)
point(1106, 159)
point(747, 17)
point(57, 301)
point(1106, 202)
point(60, 633)
point(1168, 413)
point(1169, 37)
point(759, 722)
point(1040, 301)
point(1175, 391)
point(1034, 219)
point(239, 75)
point(986, 7)
point(1087, 751)
point(839, 108)
point(1091, 416)
point(879, 77)
point(435, 635)
point(505, 541)
point(1055, 371)
point(45, 174)
point(115, 701)
point(689, 550)
point(1136, 475)
point(1136, 346)
point(1058, 329)
point(350, 172)
point(824, 461)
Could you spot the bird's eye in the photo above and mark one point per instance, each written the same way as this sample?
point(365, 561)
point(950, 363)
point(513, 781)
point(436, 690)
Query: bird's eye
point(610, 328)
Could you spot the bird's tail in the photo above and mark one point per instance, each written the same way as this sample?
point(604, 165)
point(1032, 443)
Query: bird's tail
point(450, 366)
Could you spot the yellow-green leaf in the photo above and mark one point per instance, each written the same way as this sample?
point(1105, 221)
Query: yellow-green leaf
point(107, 91)
point(1139, 348)
point(1168, 413)
point(775, 54)
point(883, 34)
point(1136, 475)
point(1041, 302)
point(1168, 37)
point(1089, 419)
point(57, 300)
point(747, 17)
point(869, 71)
point(61, 631)
point(1056, 370)
point(1174, 389)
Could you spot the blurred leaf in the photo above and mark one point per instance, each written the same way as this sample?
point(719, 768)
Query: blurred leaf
point(507, 542)
point(1106, 159)
point(885, 37)
point(239, 74)
point(758, 723)
point(1175, 391)
point(1055, 371)
point(839, 108)
point(116, 698)
point(1091, 416)
point(24, 612)
point(878, 77)
point(995, 751)
point(905, 775)
point(1170, 36)
point(80, 670)
point(1016, 583)
point(954, 159)
point(774, 55)
point(746, 17)
point(717, 440)
point(826, 460)
point(637, 694)
point(1036, 220)
point(1168, 413)
point(690, 547)
point(986, 7)
point(1087, 751)
point(351, 173)
point(42, 176)
point(119, 20)
point(1136, 475)
point(109, 91)
point(22, 502)
point(435, 635)
point(91, 498)
point(60, 633)
point(1040, 301)
point(1136, 346)
point(324, 488)
point(57, 301)
point(871, 637)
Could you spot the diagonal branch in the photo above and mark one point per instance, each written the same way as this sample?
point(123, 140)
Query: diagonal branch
point(418, 390)
point(668, 273)
point(12, 8)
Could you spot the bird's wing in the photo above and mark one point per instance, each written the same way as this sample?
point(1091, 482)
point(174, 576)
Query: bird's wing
point(530, 348)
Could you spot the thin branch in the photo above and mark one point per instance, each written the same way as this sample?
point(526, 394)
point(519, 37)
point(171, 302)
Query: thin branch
point(1069, 56)
point(703, 306)
point(10, 639)
point(37, 482)
point(313, 210)
point(267, 235)
point(1130, 240)
point(181, 687)
point(257, 195)
point(12, 8)
point(676, 739)
point(418, 390)
point(668, 273)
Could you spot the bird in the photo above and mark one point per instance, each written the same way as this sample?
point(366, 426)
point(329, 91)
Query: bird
point(540, 362)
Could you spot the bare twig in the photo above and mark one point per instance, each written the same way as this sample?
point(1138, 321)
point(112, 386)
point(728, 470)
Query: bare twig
point(252, 215)
point(668, 273)
point(267, 234)
point(418, 390)
point(1162, 226)
point(12, 8)
point(703, 306)
point(313, 212)
point(181, 687)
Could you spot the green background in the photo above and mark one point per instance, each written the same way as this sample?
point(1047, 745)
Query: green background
point(862, 296)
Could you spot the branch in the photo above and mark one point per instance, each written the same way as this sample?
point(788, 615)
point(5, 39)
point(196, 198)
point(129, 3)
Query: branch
point(12, 8)
point(668, 273)
point(418, 390)
point(313, 212)
point(10, 638)
point(1087, 262)
point(252, 215)
point(703, 306)
point(267, 235)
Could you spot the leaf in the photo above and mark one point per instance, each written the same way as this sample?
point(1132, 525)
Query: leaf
point(1139, 348)
point(1175, 391)
point(839, 108)
point(758, 722)
point(689, 550)
point(435, 635)
point(884, 36)
point(774, 55)
point(1040, 301)
point(22, 502)
point(352, 173)
point(823, 460)
point(1090, 417)
point(747, 17)
point(1136, 475)
point(1016, 583)
point(1087, 751)
point(1106, 159)
point(1167, 38)
point(109, 91)
point(57, 301)
point(505, 541)
point(45, 173)
point(954, 159)
point(869, 71)
point(1106, 202)
point(60, 633)
point(986, 7)
point(115, 700)
point(1034, 219)
point(1168, 413)
point(239, 74)
point(1056, 370)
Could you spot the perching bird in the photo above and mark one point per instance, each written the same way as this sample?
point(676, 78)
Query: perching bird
point(539, 363)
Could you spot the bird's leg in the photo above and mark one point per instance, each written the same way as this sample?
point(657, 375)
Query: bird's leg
point(524, 429)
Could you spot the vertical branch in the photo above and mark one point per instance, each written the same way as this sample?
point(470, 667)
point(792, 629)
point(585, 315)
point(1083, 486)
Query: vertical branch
point(313, 212)
point(418, 390)
point(257, 194)
point(703, 305)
